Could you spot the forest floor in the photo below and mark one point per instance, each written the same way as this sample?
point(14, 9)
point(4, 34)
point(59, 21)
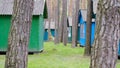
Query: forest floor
point(57, 56)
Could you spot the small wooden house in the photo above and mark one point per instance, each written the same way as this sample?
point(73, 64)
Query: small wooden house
point(48, 25)
point(81, 38)
point(37, 25)
point(82, 28)
point(52, 27)
point(70, 29)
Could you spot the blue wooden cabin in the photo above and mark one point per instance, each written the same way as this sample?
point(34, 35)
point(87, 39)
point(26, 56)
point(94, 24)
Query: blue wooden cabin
point(52, 30)
point(46, 34)
point(82, 24)
point(82, 28)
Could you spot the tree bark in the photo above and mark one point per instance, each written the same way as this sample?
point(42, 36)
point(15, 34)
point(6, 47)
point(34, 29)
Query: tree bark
point(17, 53)
point(70, 8)
point(50, 15)
point(57, 21)
point(60, 30)
point(49, 30)
point(75, 22)
point(105, 47)
point(64, 16)
point(88, 32)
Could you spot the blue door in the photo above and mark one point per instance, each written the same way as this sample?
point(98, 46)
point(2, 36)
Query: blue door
point(45, 35)
point(53, 32)
point(82, 40)
point(83, 33)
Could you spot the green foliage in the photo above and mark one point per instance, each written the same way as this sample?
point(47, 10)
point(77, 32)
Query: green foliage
point(57, 56)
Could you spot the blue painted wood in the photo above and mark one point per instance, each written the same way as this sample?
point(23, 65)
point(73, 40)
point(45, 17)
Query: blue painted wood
point(92, 32)
point(82, 37)
point(53, 32)
point(45, 35)
point(119, 49)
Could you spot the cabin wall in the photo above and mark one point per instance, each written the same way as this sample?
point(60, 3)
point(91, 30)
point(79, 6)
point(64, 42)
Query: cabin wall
point(34, 44)
point(46, 34)
point(4, 31)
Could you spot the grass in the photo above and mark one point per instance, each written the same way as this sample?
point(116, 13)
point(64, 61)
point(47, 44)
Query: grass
point(58, 56)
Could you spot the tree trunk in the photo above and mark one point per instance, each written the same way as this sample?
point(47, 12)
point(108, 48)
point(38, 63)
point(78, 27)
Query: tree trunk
point(88, 35)
point(49, 30)
point(56, 22)
point(70, 8)
point(75, 22)
point(105, 47)
point(17, 53)
point(64, 16)
point(49, 7)
point(60, 30)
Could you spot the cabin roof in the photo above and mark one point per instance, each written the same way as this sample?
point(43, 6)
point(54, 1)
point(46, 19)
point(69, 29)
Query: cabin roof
point(95, 2)
point(70, 21)
point(84, 14)
point(52, 24)
point(6, 7)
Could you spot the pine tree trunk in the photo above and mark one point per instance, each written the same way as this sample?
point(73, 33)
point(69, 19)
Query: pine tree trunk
point(56, 22)
point(64, 16)
point(17, 54)
point(49, 30)
point(49, 23)
point(75, 22)
point(88, 35)
point(105, 47)
point(49, 7)
point(60, 30)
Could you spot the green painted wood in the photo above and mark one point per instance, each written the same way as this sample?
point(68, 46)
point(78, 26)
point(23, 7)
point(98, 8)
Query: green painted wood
point(36, 34)
point(41, 32)
point(4, 30)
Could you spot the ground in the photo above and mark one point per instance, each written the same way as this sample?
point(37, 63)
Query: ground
point(57, 56)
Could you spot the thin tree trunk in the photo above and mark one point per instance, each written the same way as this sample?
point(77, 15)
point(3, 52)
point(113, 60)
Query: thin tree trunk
point(56, 22)
point(49, 30)
point(105, 47)
point(75, 22)
point(64, 16)
point(17, 53)
point(88, 35)
point(49, 6)
point(60, 30)
point(70, 7)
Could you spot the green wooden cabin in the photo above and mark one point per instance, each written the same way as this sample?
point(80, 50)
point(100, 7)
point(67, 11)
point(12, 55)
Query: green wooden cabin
point(37, 26)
